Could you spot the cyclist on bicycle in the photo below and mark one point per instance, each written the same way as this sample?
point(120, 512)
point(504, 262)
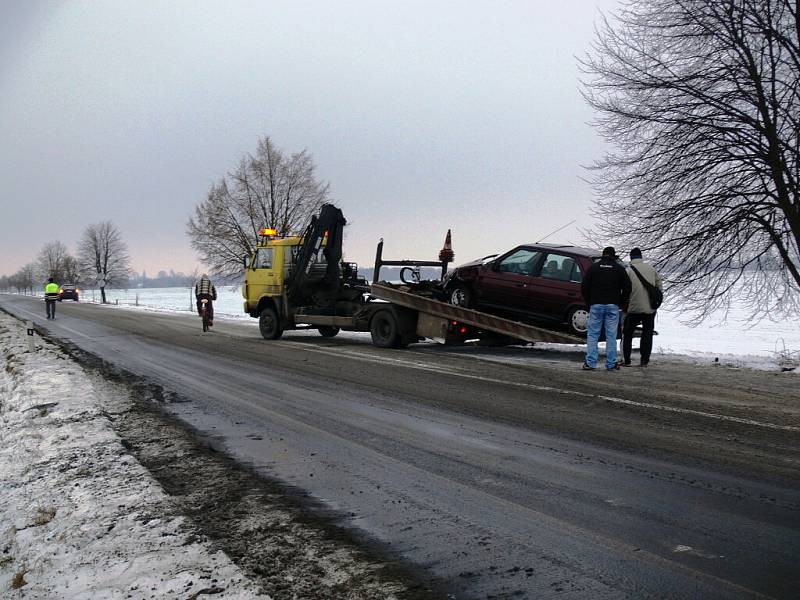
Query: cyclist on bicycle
point(205, 290)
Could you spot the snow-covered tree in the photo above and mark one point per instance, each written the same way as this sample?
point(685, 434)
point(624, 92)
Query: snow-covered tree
point(103, 256)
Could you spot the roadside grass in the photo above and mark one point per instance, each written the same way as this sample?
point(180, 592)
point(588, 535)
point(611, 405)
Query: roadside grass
point(44, 515)
point(19, 579)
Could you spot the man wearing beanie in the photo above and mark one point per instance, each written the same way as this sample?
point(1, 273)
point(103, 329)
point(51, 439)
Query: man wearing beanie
point(639, 310)
point(605, 288)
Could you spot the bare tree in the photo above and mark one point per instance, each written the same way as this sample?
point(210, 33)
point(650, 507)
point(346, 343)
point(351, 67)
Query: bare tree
point(700, 101)
point(71, 270)
point(268, 189)
point(103, 256)
point(24, 279)
point(52, 261)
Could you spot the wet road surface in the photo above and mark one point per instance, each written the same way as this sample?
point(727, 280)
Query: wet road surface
point(502, 473)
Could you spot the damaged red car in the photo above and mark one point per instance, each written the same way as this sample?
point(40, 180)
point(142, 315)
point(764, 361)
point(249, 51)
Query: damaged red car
point(532, 282)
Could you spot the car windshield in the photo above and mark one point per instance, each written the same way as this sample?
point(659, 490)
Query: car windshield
point(522, 262)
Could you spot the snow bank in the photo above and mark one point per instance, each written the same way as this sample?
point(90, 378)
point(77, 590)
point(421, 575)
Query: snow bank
point(79, 517)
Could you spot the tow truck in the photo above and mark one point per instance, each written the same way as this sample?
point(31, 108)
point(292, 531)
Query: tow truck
point(301, 282)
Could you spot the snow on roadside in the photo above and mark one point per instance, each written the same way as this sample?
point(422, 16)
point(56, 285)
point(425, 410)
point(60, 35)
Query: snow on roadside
point(79, 517)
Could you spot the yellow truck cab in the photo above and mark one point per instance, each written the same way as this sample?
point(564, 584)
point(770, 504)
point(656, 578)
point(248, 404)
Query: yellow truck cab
point(301, 282)
point(267, 269)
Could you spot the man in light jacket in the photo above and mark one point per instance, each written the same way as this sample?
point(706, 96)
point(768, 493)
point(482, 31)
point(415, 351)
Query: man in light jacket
point(639, 309)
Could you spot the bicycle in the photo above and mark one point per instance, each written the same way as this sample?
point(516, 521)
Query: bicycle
point(204, 314)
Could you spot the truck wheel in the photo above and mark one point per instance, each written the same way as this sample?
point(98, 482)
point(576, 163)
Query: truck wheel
point(328, 331)
point(384, 330)
point(269, 324)
point(460, 295)
point(578, 321)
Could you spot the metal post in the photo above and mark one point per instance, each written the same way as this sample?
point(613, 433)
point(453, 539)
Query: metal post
point(378, 262)
point(29, 325)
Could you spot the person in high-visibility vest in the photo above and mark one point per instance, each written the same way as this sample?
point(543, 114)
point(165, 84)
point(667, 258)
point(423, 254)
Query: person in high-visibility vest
point(50, 296)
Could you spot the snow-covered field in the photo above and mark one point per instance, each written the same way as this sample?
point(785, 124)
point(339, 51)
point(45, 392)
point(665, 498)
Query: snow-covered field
point(766, 345)
point(80, 518)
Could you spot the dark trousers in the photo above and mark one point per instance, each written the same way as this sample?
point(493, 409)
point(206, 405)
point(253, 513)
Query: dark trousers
point(50, 305)
point(209, 305)
point(648, 323)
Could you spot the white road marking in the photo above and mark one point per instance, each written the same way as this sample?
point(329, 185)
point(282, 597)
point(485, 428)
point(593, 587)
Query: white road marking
point(680, 548)
point(543, 388)
point(37, 316)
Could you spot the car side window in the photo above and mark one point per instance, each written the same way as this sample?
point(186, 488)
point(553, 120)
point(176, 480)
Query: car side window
point(522, 262)
point(577, 275)
point(558, 267)
point(264, 258)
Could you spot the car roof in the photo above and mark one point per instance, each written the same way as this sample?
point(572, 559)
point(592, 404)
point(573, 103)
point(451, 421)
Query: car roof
point(579, 250)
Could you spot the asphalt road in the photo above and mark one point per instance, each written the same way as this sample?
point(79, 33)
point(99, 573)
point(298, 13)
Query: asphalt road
point(499, 472)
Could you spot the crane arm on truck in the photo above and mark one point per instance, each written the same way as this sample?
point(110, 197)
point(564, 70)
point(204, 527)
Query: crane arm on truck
point(323, 234)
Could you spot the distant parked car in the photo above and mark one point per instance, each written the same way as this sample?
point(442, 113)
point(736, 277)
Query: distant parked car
point(68, 291)
point(532, 282)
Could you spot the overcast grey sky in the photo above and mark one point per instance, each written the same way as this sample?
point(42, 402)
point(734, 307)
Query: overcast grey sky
point(423, 116)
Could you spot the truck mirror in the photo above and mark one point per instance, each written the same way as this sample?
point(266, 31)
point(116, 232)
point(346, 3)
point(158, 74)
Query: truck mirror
point(244, 261)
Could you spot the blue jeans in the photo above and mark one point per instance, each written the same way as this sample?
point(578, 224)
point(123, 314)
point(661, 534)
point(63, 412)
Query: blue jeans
point(599, 315)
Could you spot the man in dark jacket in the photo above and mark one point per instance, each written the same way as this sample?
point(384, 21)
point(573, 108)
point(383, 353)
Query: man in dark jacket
point(605, 288)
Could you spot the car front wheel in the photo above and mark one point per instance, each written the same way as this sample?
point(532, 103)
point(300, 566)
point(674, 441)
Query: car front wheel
point(578, 321)
point(459, 295)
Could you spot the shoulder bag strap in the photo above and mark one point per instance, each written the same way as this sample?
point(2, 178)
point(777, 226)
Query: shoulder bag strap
point(648, 286)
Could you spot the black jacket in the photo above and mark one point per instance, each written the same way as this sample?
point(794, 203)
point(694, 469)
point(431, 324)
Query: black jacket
point(606, 282)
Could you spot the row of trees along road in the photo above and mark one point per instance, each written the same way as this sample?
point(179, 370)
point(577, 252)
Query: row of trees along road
point(699, 101)
point(266, 189)
point(101, 259)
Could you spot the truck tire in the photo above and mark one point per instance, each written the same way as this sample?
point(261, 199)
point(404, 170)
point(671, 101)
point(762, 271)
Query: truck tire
point(328, 331)
point(384, 330)
point(269, 324)
point(578, 321)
